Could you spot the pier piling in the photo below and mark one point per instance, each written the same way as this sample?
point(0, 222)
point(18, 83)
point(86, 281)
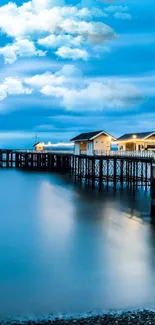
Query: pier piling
point(153, 194)
point(100, 171)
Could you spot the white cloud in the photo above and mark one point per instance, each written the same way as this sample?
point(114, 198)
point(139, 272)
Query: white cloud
point(122, 15)
point(68, 75)
point(20, 48)
point(54, 41)
point(67, 53)
point(51, 24)
point(96, 96)
point(119, 12)
point(23, 22)
point(45, 79)
point(57, 92)
point(77, 93)
point(94, 32)
point(74, 92)
point(2, 92)
point(39, 5)
point(9, 53)
point(13, 86)
point(112, 9)
point(70, 72)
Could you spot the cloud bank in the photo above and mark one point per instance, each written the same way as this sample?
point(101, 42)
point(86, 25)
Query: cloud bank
point(37, 27)
point(74, 92)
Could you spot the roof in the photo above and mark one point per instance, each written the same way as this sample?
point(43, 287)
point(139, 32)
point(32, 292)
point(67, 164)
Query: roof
point(129, 136)
point(89, 136)
point(37, 144)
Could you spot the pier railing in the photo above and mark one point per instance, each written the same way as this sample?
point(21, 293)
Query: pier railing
point(103, 153)
point(45, 151)
point(120, 153)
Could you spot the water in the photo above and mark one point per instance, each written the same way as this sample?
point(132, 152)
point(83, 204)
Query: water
point(69, 250)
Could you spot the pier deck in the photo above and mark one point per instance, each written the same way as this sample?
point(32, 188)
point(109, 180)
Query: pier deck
point(101, 169)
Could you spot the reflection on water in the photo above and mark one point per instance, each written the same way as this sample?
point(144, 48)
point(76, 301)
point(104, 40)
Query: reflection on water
point(66, 249)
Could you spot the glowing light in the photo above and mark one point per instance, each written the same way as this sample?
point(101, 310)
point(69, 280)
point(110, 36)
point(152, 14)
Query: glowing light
point(60, 144)
point(134, 136)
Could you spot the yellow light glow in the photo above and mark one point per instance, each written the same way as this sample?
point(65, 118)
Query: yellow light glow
point(134, 136)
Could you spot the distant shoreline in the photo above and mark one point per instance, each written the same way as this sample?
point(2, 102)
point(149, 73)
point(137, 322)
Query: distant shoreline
point(135, 317)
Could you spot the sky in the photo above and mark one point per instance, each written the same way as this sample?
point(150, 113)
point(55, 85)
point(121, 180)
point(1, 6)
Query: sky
point(68, 67)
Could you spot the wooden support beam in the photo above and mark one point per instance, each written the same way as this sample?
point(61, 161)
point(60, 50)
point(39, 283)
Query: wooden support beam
point(107, 173)
point(146, 176)
point(115, 173)
point(93, 172)
point(121, 172)
point(153, 194)
point(76, 167)
point(79, 170)
point(100, 173)
point(130, 172)
point(134, 174)
point(142, 174)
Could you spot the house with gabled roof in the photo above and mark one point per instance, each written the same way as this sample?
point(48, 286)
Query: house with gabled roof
point(91, 142)
point(39, 146)
point(137, 141)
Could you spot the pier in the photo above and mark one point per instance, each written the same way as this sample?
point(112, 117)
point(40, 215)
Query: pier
point(98, 170)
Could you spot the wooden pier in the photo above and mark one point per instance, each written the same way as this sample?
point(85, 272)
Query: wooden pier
point(98, 170)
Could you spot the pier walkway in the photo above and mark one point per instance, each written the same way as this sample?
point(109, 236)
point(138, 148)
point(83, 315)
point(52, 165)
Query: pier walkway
point(103, 169)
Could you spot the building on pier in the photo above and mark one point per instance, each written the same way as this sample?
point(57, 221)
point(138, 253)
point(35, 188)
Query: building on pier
point(137, 141)
point(39, 146)
point(91, 142)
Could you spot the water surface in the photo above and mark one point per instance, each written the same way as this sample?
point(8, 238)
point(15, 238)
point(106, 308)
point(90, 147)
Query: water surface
point(69, 250)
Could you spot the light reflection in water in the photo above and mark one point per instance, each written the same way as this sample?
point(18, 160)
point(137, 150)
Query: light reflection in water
point(64, 249)
point(55, 209)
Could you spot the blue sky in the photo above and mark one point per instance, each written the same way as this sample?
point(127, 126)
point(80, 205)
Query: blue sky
point(69, 67)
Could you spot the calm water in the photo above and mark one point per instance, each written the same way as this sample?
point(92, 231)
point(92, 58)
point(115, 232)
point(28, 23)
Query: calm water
point(64, 249)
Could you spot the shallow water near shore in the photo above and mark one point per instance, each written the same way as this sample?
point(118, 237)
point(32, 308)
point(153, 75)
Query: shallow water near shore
point(66, 249)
